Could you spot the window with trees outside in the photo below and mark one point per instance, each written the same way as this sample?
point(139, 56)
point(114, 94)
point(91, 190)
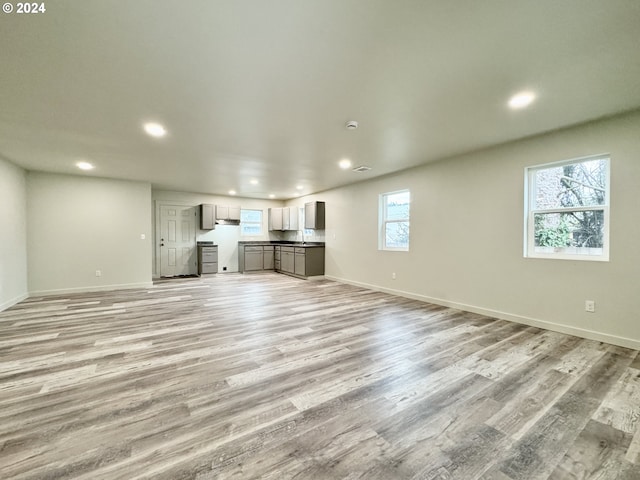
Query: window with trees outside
point(567, 210)
point(250, 223)
point(394, 221)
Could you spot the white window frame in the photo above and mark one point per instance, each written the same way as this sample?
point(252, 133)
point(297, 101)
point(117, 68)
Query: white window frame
point(382, 221)
point(529, 211)
point(242, 224)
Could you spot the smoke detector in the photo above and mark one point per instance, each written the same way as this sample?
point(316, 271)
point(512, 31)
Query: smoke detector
point(352, 125)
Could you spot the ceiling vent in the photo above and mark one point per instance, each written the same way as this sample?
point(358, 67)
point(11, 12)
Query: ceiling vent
point(362, 168)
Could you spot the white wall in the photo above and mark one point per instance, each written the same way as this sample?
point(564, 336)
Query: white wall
point(13, 234)
point(466, 238)
point(225, 236)
point(80, 224)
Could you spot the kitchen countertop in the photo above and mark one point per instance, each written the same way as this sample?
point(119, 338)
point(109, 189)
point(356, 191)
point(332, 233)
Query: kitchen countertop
point(282, 243)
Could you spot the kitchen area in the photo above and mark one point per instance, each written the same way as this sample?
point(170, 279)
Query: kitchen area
point(291, 252)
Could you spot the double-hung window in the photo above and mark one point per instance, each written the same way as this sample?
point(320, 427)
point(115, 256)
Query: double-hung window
point(394, 221)
point(250, 223)
point(567, 210)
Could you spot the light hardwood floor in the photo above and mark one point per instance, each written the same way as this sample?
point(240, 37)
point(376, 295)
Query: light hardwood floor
point(266, 376)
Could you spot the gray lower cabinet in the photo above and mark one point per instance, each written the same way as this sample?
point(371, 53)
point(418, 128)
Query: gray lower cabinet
point(207, 260)
point(287, 259)
point(267, 257)
point(300, 261)
point(276, 258)
point(253, 259)
point(299, 267)
point(309, 261)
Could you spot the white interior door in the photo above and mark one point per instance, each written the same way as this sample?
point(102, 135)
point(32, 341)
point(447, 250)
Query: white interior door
point(177, 240)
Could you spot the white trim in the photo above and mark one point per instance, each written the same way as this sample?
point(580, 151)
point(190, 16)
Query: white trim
point(534, 322)
point(102, 288)
point(529, 211)
point(260, 223)
point(158, 229)
point(13, 301)
point(569, 209)
point(382, 222)
point(571, 161)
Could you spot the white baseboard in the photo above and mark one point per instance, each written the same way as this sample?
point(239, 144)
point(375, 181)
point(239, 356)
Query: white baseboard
point(13, 301)
point(101, 288)
point(534, 322)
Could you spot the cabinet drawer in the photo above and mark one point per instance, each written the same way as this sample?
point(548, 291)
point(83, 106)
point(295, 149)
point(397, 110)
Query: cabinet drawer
point(277, 254)
point(209, 267)
point(277, 264)
point(209, 249)
point(267, 248)
point(209, 257)
point(253, 249)
point(301, 250)
point(288, 249)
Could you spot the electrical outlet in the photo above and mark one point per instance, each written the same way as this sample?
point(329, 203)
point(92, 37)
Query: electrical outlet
point(224, 269)
point(393, 275)
point(98, 273)
point(589, 306)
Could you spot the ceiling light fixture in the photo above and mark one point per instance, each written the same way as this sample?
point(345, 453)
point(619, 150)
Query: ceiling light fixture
point(521, 100)
point(344, 163)
point(232, 192)
point(155, 129)
point(271, 195)
point(351, 125)
point(253, 181)
point(84, 166)
point(299, 187)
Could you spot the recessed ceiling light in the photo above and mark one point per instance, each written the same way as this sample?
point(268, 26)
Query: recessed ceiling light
point(271, 195)
point(521, 100)
point(253, 181)
point(84, 166)
point(344, 163)
point(299, 187)
point(155, 129)
point(232, 192)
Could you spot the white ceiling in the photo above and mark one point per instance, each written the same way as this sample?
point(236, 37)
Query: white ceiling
point(262, 89)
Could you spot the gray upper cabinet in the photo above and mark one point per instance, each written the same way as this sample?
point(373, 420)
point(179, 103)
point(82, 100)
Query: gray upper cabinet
point(285, 218)
point(314, 215)
point(207, 222)
point(234, 213)
point(290, 218)
point(275, 219)
point(224, 212)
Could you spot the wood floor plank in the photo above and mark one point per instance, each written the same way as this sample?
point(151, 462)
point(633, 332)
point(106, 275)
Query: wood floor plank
point(597, 453)
point(272, 377)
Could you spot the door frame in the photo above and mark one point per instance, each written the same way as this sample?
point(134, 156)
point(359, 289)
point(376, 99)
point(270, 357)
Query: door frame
point(157, 230)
